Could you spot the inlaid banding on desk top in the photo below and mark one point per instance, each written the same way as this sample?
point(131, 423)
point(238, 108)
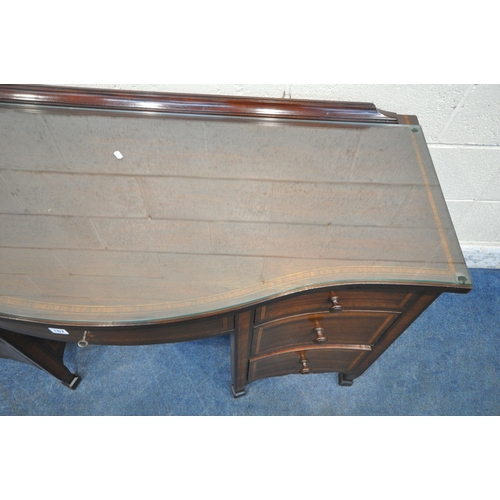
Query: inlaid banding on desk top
point(139, 299)
point(197, 214)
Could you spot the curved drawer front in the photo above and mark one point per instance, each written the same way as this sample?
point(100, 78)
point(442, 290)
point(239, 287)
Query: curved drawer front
point(315, 360)
point(350, 327)
point(323, 301)
point(128, 335)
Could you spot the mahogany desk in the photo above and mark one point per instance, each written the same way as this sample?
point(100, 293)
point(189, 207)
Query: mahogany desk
point(314, 233)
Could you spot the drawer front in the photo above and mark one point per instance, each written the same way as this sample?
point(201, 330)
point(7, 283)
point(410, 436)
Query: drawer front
point(129, 335)
point(322, 301)
point(317, 360)
point(350, 327)
point(177, 332)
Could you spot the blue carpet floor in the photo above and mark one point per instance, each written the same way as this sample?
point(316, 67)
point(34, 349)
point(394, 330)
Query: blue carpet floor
point(447, 363)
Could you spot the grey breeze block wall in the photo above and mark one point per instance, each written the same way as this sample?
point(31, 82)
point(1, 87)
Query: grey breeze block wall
point(461, 123)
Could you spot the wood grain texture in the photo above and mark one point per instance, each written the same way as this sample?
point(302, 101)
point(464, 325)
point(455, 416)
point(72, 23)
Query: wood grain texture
point(375, 299)
point(319, 360)
point(350, 327)
point(314, 202)
point(419, 304)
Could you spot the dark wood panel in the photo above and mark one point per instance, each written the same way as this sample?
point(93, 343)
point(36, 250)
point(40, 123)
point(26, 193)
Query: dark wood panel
point(180, 332)
point(7, 352)
point(319, 360)
point(418, 307)
point(128, 335)
point(350, 327)
point(240, 352)
point(393, 300)
point(160, 102)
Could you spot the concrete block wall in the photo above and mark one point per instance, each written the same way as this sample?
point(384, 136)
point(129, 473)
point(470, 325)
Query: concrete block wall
point(461, 123)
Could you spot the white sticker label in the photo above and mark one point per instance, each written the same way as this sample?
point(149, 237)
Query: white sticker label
point(59, 331)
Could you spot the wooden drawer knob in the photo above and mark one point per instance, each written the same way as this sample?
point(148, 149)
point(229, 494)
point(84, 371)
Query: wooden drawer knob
point(320, 336)
point(305, 369)
point(336, 307)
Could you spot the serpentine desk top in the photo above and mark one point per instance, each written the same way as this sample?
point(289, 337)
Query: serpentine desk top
point(125, 214)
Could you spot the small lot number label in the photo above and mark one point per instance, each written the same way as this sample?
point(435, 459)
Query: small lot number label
point(59, 331)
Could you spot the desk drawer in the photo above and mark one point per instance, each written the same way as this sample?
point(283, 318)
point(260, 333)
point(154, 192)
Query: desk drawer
point(127, 335)
point(322, 302)
point(160, 334)
point(315, 360)
point(350, 327)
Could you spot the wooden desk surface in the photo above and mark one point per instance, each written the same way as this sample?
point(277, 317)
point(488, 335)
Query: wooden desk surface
point(206, 213)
